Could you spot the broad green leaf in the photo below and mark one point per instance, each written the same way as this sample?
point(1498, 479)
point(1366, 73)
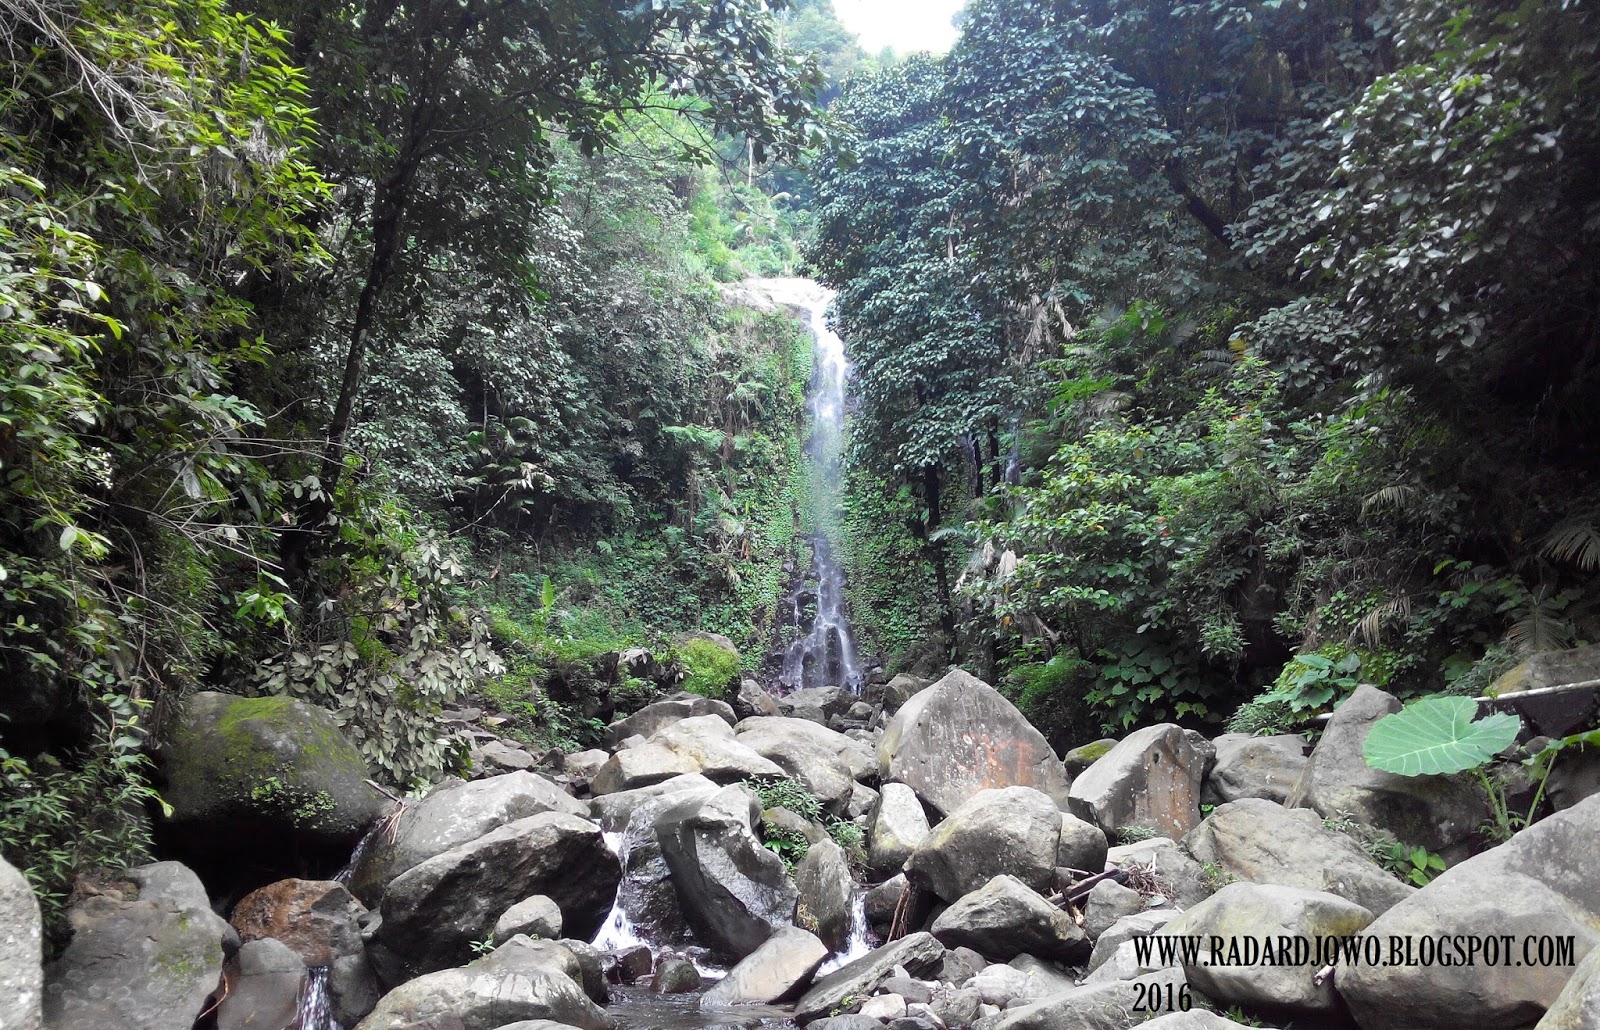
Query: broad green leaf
point(1438, 735)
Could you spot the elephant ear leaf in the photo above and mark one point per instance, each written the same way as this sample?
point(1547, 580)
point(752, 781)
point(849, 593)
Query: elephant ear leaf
point(1438, 735)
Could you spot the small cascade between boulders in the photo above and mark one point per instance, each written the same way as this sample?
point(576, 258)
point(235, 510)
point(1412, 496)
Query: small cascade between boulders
point(316, 1007)
point(859, 941)
point(823, 652)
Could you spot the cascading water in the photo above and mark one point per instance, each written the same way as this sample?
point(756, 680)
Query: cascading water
point(858, 943)
point(824, 652)
point(316, 1007)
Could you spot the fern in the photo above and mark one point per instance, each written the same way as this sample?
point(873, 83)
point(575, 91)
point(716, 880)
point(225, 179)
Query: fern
point(1397, 496)
point(1370, 628)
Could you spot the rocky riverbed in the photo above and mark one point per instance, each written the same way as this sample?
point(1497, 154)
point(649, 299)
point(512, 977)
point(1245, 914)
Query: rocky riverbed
point(980, 880)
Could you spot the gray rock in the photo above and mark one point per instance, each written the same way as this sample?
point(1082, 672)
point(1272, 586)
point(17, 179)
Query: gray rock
point(1082, 845)
point(961, 965)
point(1574, 777)
point(776, 971)
point(912, 990)
point(1185, 878)
point(1272, 916)
point(827, 763)
point(918, 953)
point(1140, 924)
point(1544, 881)
point(1150, 779)
point(1108, 902)
point(1261, 841)
point(849, 1021)
point(884, 1007)
point(658, 716)
point(961, 736)
point(268, 772)
point(1255, 767)
point(537, 916)
point(1013, 830)
point(753, 700)
point(483, 999)
point(132, 965)
point(1080, 758)
point(703, 744)
point(613, 811)
point(21, 950)
point(902, 689)
point(884, 900)
point(496, 757)
point(263, 987)
point(536, 1024)
point(829, 701)
point(1005, 918)
point(647, 894)
point(823, 882)
point(898, 825)
point(434, 911)
point(1044, 979)
point(1577, 1007)
point(1554, 715)
point(352, 988)
point(734, 892)
point(1126, 962)
point(591, 967)
point(1436, 812)
point(1194, 1019)
point(862, 801)
point(1112, 1006)
point(582, 765)
point(454, 813)
point(675, 975)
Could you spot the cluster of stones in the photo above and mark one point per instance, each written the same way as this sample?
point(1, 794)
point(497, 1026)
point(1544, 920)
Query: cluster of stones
point(992, 873)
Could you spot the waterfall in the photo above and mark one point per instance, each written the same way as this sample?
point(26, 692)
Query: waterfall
point(824, 653)
point(858, 943)
point(316, 1008)
point(618, 931)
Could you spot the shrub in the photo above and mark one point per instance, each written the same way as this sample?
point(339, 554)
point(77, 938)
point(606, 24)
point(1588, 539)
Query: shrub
point(709, 670)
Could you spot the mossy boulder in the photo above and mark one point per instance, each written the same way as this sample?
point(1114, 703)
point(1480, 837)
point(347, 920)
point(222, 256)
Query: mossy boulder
point(249, 777)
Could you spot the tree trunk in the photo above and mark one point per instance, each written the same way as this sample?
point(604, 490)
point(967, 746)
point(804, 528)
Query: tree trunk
point(936, 553)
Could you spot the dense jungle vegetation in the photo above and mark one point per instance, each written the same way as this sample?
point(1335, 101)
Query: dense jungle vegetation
point(1206, 355)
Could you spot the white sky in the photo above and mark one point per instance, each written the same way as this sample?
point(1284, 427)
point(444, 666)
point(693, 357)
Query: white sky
point(906, 25)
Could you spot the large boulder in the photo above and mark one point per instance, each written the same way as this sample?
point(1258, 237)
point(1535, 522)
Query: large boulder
point(1559, 714)
point(898, 825)
point(825, 886)
point(734, 892)
point(1150, 779)
point(1251, 932)
point(21, 950)
point(263, 776)
point(961, 736)
point(1578, 1005)
point(658, 716)
point(537, 916)
point(264, 983)
point(901, 689)
point(1005, 918)
point(647, 899)
point(452, 814)
point(917, 953)
point(148, 964)
point(827, 763)
point(316, 919)
point(1083, 845)
point(811, 702)
point(703, 744)
point(1008, 830)
point(1436, 812)
point(435, 910)
point(1544, 882)
point(1255, 767)
point(614, 811)
point(1109, 1006)
point(1262, 842)
point(478, 998)
point(774, 972)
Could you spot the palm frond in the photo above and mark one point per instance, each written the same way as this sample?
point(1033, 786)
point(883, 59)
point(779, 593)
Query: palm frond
point(1577, 543)
point(1397, 496)
point(1370, 628)
point(1541, 628)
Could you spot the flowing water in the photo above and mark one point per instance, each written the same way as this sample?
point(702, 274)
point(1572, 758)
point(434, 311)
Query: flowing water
point(824, 652)
point(316, 1008)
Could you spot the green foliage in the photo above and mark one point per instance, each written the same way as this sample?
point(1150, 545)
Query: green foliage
point(1438, 735)
point(786, 793)
point(1414, 865)
point(709, 669)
